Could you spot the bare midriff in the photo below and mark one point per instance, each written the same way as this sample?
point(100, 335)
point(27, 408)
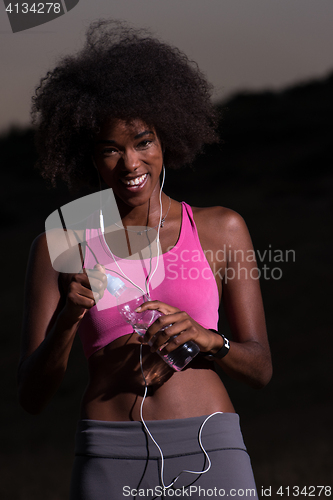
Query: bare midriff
point(116, 386)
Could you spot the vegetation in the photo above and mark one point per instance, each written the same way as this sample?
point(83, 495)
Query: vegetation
point(274, 166)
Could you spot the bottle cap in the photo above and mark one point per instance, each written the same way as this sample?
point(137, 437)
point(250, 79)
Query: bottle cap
point(114, 284)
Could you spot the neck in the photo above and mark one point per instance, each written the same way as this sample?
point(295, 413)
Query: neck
point(147, 214)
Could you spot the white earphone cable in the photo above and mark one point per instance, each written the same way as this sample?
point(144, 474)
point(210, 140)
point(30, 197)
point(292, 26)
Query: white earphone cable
point(101, 219)
point(159, 448)
point(101, 222)
point(158, 234)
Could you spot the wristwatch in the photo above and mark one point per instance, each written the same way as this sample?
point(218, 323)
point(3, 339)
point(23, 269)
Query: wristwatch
point(222, 352)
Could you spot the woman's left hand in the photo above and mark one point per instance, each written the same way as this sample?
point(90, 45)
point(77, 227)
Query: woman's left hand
point(182, 328)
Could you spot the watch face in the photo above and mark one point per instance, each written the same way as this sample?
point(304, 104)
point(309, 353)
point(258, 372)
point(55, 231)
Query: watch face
point(222, 352)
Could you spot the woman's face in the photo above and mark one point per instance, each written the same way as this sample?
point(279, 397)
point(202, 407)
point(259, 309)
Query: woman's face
point(129, 158)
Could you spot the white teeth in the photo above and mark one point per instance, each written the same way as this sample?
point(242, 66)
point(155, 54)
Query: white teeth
point(136, 181)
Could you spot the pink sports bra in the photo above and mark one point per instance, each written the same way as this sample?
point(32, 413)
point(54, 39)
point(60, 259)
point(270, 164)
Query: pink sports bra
point(184, 280)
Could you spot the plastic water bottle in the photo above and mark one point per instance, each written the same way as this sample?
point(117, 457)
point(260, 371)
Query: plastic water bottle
point(128, 299)
point(181, 356)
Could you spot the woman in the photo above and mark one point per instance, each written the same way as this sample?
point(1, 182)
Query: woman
point(126, 105)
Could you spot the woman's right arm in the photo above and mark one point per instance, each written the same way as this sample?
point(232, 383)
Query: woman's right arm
point(51, 319)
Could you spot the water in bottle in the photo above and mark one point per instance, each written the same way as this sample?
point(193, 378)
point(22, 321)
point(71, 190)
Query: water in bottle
point(129, 299)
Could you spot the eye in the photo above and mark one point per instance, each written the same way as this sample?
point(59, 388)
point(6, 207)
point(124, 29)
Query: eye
point(144, 144)
point(109, 151)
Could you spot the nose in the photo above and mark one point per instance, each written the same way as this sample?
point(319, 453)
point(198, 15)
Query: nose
point(131, 160)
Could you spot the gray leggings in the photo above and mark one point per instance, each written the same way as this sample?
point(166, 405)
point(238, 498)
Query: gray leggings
point(117, 460)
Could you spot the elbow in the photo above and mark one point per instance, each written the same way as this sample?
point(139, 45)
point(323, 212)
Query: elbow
point(264, 371)
point(28, 398)
point(263, 377)
point(30, 409)
point(29, 403)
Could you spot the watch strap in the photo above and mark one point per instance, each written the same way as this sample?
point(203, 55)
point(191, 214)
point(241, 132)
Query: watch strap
point(222, 352)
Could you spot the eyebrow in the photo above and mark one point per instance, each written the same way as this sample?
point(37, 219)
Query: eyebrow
point(138, 136)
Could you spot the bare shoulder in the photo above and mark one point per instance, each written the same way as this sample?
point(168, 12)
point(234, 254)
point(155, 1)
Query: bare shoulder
point(58, 250)
point(39, 248)
point(219, 220)
point(39, 265)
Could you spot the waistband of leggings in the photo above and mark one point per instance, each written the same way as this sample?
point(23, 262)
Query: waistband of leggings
point(179, 437)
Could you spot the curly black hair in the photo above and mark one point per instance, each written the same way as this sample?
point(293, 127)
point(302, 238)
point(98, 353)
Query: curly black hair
point(122, 73)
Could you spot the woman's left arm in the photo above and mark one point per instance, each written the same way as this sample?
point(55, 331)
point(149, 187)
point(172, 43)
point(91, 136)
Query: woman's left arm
point(249, 356)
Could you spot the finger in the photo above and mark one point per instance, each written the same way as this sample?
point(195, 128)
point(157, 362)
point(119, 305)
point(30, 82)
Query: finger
point(176, 341)
point(98, 274)
point(158, 306)
point(160, 324)
point(100, 268)
point(159, 341)
point(95, 284)
point(97, 281)
point(91, 285)
point(170, 334)
point(165, 321)
point(158, 334)
point(80, 297)
point(80, 278)
point(205, 339)
point(97, 296)
point(97, 288)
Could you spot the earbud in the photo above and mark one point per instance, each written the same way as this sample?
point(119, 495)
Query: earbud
point(101, 221)
point(163, 177)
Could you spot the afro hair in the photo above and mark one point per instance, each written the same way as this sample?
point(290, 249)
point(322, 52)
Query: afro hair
point(121, 73)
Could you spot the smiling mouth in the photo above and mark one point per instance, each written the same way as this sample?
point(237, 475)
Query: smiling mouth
point(138, 181)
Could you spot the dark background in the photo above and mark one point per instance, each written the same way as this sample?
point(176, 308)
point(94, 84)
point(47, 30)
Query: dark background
point(274, 167)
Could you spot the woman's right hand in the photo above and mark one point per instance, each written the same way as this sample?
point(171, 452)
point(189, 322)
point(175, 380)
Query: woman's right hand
point(83, 291)
point(54, 305)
